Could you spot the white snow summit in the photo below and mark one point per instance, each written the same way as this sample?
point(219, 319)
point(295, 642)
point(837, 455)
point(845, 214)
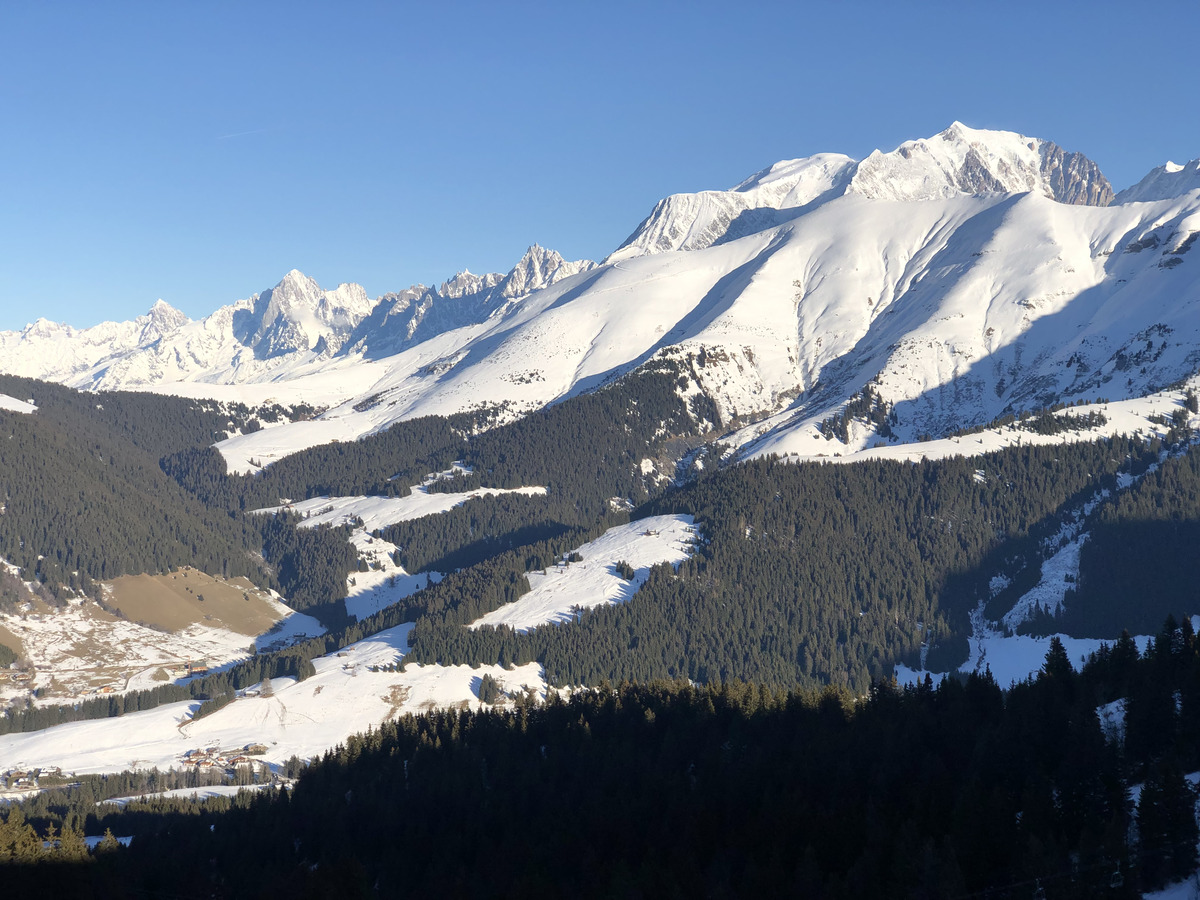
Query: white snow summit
point(959, 277)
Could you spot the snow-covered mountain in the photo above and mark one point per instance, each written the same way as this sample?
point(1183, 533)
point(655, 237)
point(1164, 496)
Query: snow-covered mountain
point(53, 351)
point(1165, 182)
point(696, 221)
point(964, 160)
point(406, 318)
point(282, 333)
point(959, 160)
point(960, 276)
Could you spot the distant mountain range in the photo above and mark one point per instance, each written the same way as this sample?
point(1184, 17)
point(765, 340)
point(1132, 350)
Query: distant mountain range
point(958, 277)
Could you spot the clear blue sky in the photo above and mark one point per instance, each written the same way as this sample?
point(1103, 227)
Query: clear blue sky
point(198, 151)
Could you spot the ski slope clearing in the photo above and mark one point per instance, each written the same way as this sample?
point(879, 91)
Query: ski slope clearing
point(82, 649)
point(558, 593)
point(379, 512)
point(12, 404)
point(298, 719)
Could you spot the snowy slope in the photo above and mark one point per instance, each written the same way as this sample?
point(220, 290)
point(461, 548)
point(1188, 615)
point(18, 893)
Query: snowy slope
point(962, 160)
point(12, 404)
point(1164, 183)
point(696, 221)
point(304, 719)
point(558, 592)
point(960, 276)
point(379, 512)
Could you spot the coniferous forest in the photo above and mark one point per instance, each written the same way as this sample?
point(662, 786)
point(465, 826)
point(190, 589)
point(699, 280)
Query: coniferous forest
point(674, 790)
point(755, 746)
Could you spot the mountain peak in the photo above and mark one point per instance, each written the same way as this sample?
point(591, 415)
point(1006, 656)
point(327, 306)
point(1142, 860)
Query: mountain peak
point(162, 318)
point(699, 220)
point(965, 160)
point(539, 268)
point(1163, 183)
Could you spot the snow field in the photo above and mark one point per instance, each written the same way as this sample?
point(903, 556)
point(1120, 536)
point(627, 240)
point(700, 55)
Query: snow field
point(384, 582)
point(12, 404)
point(559, 591)
point(1124, 417)
point(200, 793)
point(300, 718)
point(379, 512)
point(1015, 658)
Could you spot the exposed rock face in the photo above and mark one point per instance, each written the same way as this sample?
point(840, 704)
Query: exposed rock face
point(409, 317)
point(297, 315)
point(1073, 178)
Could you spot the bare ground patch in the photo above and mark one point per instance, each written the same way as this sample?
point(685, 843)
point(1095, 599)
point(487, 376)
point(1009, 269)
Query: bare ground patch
point(191, 597)
point(395, 698)
point(11, 641)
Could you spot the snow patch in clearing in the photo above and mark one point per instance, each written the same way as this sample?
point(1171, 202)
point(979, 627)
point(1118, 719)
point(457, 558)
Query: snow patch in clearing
point(1059, 573)
point(558, 592)
point(379, 512)
point(1016, 658)
point(385, 582)
point(12, 404)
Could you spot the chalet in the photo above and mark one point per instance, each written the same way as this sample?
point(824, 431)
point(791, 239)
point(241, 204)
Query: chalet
point(255, 748)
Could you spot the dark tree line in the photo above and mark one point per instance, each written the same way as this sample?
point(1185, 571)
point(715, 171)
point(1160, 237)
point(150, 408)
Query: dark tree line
point(731, 790)
point(810, 574)
point(83, 503)
point(1143, 546)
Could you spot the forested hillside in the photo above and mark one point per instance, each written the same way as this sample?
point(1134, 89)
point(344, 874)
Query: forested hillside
point(804, 575)
point(1142, 547)
point(728, 790)
point(817, 574)
point(84, 497)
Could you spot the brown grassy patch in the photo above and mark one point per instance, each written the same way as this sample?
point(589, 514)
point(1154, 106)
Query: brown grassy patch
point(11, 641)
point(189, 597)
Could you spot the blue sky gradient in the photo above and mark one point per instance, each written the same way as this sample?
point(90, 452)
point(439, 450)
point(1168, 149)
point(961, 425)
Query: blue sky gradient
point(197, 152)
